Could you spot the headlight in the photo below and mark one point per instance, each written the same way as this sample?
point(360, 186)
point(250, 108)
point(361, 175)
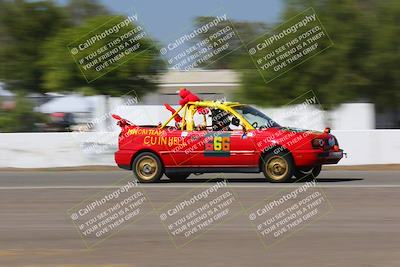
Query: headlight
point(318, 142)
point(331, 142)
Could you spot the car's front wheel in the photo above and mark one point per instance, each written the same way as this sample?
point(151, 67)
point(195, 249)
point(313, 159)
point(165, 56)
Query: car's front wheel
point(177, 177)
point(278, 168)
point(308, 173)
point(147, 167)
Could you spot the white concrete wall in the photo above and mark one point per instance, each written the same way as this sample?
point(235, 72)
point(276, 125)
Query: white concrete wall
point(309, 117)
point(369, 146)
point(356, 116)
point(40, 150)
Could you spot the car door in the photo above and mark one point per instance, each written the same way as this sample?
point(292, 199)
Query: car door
point(242, 149)
point(229, 147)
point(222, 148)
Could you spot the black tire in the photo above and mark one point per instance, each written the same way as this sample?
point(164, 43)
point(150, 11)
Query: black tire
point(177, 177)
point(278, 168)
point(308, 174)
point(147, 167)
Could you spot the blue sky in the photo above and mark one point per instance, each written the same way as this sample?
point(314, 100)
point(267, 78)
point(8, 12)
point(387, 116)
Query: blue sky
point(165, 19)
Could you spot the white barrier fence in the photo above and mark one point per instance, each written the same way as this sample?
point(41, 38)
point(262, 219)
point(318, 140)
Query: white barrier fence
point(44, 150)
point(369, 146)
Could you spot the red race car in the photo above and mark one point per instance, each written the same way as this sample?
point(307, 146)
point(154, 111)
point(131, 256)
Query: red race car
point(211, 137)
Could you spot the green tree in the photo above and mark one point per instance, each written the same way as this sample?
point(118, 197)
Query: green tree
point(21, 118)
point(233, 56)
point(24, 26)
point(361, 66)
point(61, 72)
point(80, 10)
point(382, 63)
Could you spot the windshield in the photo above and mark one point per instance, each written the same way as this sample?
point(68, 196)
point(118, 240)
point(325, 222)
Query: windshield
point(255, 117)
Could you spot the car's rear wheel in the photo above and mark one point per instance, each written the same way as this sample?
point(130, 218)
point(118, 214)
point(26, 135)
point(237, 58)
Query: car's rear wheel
point(177, 177)
point(147, 167)
point(278, 168)
point(307, 173)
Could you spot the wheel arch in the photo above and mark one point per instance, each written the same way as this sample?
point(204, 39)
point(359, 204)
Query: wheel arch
point(273, 149)
point(146, 150)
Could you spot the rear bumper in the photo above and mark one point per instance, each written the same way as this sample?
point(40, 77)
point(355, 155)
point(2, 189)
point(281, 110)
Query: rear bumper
point(123, 159)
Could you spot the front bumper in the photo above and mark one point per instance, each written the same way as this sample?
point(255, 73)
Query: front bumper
point(330, 157)
point(312, 157)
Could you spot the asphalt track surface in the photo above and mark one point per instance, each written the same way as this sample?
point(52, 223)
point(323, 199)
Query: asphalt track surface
point(361, 227)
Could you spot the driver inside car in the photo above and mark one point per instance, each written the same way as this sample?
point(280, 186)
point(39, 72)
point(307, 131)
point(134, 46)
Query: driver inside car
point(220, 120)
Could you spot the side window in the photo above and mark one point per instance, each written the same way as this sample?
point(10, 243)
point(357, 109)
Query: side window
point(213, 119)
point(220, 120)
point(200, 121)
point(236, 127)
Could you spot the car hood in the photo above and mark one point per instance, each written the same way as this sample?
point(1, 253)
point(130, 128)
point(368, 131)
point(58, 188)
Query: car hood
point(299, 130)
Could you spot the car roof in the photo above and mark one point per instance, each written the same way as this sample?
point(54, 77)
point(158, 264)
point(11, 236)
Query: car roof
point(216, 103)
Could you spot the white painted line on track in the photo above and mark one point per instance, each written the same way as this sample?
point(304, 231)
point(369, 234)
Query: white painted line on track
point(199, 186)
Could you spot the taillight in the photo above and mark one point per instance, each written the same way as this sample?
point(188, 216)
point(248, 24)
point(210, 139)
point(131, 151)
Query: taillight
point(318, 142)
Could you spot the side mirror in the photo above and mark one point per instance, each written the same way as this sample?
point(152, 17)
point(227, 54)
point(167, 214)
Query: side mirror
point(235, 121)
point(244, 135)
